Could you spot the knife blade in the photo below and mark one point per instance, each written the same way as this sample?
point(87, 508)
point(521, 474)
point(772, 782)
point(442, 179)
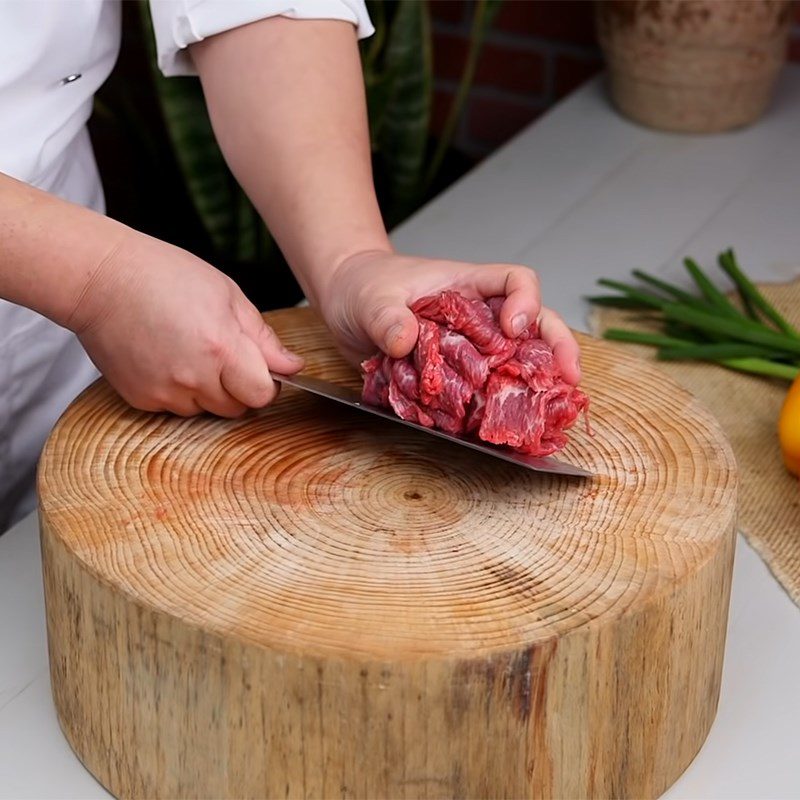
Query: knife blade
point(350, 397)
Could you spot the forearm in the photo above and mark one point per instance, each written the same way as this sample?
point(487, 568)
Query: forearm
point(50, 249)
point(287, 103)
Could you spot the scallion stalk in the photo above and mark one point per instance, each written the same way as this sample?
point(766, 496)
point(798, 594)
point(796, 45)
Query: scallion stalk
point(718, 351)
point(737, 329)
point(709, 327)
point(747, 289)
point(713, 295)
point(760, 366)
point(640, 337)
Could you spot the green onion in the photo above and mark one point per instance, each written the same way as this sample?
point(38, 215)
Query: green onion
point(747, 303)
point(710, 292)
point(737, 329)
point(646, 298)
point(673, 291)
point(612, 301)
point(679, 331)
point(639, 337)
point(709, 327)
point(718, 351)
point(747, 289)
point(760, 366)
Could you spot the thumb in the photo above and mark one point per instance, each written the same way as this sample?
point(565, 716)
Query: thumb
point(392, 326)
point(278, 358)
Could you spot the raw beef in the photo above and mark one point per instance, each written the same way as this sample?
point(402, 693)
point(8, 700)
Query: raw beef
point(465, 376)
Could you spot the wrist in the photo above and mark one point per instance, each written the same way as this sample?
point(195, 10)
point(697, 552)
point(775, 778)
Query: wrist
point(328, 280)
point(100, 284)
point(50, 248)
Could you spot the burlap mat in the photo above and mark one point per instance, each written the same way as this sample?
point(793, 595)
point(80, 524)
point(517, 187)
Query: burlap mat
point(747, 408)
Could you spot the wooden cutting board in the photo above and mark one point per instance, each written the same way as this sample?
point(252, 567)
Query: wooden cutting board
point(308, 602)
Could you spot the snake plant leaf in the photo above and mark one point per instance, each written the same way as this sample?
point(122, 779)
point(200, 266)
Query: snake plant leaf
point(378, 86)
point(492, 7)
point(372, 47)
point(401, 103)
point(483, 14)
point(227, 215)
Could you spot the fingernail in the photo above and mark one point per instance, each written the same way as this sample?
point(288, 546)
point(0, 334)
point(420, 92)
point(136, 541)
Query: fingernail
point(395, 332)
point(289, 354)
point(519, 323)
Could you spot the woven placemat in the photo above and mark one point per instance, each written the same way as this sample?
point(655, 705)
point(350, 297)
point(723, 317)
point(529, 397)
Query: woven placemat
point(747, 407)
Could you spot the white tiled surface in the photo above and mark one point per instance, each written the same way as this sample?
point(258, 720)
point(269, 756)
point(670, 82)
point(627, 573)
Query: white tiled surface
point(582, 193)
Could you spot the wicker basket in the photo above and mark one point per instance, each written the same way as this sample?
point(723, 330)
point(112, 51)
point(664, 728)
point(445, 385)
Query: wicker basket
point(693, 65)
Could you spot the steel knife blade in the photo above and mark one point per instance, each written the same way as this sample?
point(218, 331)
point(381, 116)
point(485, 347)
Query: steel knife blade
point(350, 397)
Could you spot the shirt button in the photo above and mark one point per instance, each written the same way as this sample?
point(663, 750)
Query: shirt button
point(71, 78)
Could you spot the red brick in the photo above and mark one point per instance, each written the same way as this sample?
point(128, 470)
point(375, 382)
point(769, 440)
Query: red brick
point(451, 11)
point(449, 55)
point(494, 120)
point(560, 20)
point(504, 67)
point(511, 68)
point(571, 72)
point(794, 48)
point(442, 100)
point(796, 13)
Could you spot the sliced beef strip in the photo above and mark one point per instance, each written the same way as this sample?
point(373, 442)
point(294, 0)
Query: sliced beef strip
point(428, 360)
point(376, 380)
point(464, 358)
point(465, 375)
point(472, 318)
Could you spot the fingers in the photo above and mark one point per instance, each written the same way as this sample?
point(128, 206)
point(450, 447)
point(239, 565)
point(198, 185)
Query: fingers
point(221, 403)
point(279, 358)
point(245, 375)
point(522, 306)
point(243, 381)
point(182, 405)
point(520, 285)
point(557, 334)
point(392, 326)
point(188, 403)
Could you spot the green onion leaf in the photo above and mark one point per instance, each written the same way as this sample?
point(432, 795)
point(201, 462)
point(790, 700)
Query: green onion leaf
point(737, 329)
point(639, 337)
point(714, 296)
point(668, 288)
point(759, 366)
point(719, 351)
point(747, 289)
point(613, 301)
point(646, 298)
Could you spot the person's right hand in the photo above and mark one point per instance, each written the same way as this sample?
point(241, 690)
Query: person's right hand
point(171, 333)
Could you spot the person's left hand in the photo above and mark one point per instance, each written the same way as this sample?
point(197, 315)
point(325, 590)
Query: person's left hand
point(367, 298)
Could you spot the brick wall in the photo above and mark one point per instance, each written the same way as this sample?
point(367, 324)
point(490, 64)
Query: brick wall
point(536, 52)
point(794, 37)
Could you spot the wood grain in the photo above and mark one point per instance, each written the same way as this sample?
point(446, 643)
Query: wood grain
point(308, 602)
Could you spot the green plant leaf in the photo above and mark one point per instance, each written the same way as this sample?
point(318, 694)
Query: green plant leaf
point(483, 15)
point(401, 103)
point(227, 215)
point(378, 87)
point(372, 47)
point(751, 295)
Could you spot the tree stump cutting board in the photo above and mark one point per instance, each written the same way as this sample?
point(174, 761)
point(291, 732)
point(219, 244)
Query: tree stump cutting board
point(308, 602)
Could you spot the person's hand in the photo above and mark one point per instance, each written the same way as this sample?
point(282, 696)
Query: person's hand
point(171, 333)
point(367, 298)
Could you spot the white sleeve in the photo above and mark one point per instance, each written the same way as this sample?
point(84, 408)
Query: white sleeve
point(179, 23)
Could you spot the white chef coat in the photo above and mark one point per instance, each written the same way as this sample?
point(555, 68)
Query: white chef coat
point(54, 55)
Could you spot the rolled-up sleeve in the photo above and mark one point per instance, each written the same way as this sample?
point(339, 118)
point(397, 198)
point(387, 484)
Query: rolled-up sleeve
point(179, 23)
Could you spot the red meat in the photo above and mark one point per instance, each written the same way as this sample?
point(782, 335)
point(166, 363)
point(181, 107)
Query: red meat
point(466, 376)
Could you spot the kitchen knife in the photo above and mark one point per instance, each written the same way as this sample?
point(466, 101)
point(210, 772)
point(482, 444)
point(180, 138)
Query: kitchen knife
point(350, 397)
